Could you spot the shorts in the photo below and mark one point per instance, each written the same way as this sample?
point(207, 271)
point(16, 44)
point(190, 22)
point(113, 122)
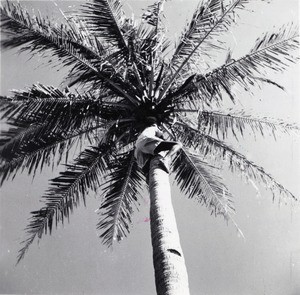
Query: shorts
point(153, 146)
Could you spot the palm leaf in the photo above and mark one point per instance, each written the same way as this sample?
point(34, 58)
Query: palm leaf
point(198, 180)
point(220, 22)
point(151, 47)
point(218, 150)
point(153, 14)
point(121, 192)
point(153, 17)
point(220, 123)
point(36, 35)
point(45, 151)
point(109, 60)
point(44, 116)
point(105, 19)
point(17, 136)
point(62, 111)
point(272, 51)
point(66, 191)
point(202, 21)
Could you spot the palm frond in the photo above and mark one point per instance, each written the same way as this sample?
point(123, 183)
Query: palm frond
point(157, 46)
point(218, 150)
point(62, 111)
point(109, 60)
point(152, 13)
point(274, 51)
point(17, 136)
point(218, 17)
point(106, 19)
point(221, 124)
point(151, 46)
point(38, 36)
point(198, 180)
point(47, 150)
point(43, 118)
point(202, 21)
point(121, 194)
point(66, 191)
point(219, 21)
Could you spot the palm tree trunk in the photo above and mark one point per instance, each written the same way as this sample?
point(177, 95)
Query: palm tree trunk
point(169, 265)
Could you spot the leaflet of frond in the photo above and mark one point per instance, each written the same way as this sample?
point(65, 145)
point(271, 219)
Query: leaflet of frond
point(223, 21)
point(198, 180)
point(216, 149)
point(105, 19)
point(46, 150)
point(38, 36)
point(66, 191)
point(202, 21)
point(221, 124)
point(274, 51)
point(121, 195)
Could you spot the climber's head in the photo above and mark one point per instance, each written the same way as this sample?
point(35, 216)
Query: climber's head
point(149, 121)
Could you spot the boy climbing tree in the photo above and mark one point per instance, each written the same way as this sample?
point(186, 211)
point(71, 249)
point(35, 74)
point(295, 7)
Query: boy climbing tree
point(150, 143)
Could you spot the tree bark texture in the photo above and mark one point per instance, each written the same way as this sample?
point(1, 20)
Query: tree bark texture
point(169, 265)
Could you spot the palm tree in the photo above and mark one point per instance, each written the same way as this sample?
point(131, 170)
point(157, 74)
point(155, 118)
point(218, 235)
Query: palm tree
point(122, 70)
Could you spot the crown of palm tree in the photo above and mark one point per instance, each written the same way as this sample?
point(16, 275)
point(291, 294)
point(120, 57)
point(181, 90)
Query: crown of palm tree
point(121, 71)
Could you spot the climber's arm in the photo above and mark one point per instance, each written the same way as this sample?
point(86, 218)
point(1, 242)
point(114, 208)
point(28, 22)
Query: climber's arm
point(159, 134)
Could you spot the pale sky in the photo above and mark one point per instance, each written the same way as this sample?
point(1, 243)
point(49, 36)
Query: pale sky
point(73, 260)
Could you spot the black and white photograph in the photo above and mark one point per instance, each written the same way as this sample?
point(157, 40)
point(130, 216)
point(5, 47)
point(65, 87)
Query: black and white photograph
point(150, 147)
